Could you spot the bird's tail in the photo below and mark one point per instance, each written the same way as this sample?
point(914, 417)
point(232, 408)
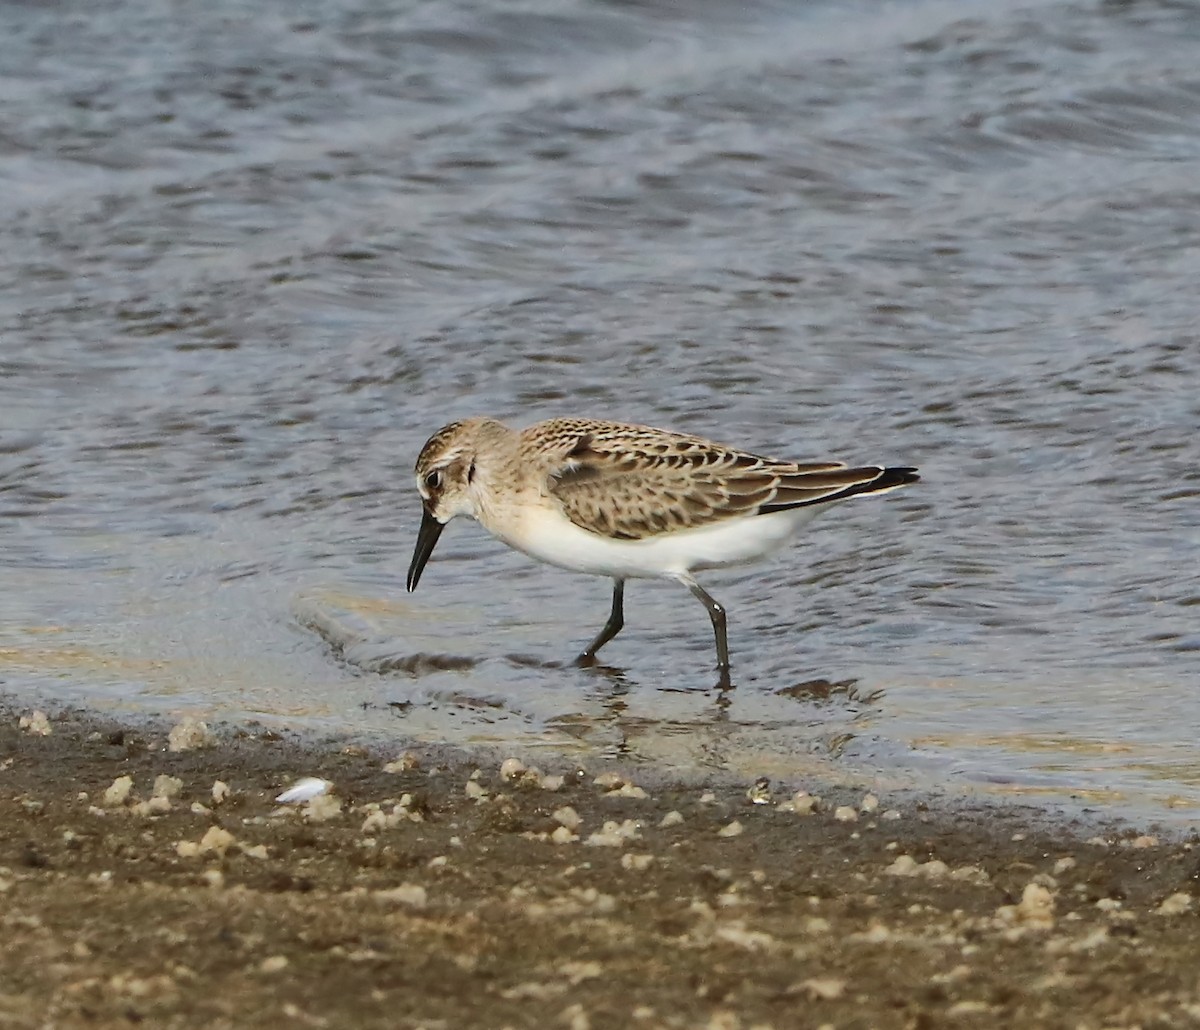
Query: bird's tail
point(888, 479)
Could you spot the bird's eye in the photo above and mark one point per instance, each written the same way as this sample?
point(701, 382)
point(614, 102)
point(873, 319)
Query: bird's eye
point(433, 480)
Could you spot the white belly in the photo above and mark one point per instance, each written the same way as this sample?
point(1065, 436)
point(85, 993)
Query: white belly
point(553, 538)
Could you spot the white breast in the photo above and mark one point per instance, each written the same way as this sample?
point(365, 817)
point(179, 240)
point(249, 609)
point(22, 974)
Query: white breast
point(551, 537)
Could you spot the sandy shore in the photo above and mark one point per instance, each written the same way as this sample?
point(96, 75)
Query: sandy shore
point(438, 890)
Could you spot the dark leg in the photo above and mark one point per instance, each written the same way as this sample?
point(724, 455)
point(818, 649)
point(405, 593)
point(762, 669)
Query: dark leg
point(717, 614)
point(616, 620)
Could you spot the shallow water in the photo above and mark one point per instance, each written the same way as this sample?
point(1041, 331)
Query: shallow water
point(256, 254)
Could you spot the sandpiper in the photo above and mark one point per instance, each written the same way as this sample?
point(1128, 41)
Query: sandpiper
point(626, 501)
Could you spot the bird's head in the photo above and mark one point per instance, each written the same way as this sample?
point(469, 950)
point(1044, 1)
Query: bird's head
point(446, 480)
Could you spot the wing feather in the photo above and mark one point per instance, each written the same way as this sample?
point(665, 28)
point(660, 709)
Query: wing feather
point(632, 482)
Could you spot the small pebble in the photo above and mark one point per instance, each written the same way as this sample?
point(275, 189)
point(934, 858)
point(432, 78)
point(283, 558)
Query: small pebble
point(1034, 911)
point(215, 841)
point(733, 829)
point(760, 792)
point(322, 808)
point(155, 806)
point(35, 724)
point(672, 818)
point(934, 869)
point(563, 835)
point(118, 792)
point(614, 834)
point(1176, 905)
point(802, 803)
point(904, 865)
point(845, 814)
point(188, 735)
point(511, 768)
point(567, 816)
point(167, 787)
point(407, 762)
point(824, 988)
point(411, 894)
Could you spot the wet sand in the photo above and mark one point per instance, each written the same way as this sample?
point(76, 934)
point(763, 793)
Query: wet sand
point(415, 895)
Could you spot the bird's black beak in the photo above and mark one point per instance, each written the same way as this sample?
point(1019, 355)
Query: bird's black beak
point(427, 538)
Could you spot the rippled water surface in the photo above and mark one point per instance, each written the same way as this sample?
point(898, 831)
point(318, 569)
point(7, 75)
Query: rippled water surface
point(253, 254)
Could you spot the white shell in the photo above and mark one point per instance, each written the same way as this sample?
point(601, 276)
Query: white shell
point(304, 790)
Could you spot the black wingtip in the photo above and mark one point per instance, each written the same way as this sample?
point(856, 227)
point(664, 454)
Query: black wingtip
point(890, 478)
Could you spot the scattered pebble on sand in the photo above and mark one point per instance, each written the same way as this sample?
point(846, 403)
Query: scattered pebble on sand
point(407, 762)
point(167, 787)
point(733, 829)
point(567, 816)
point(614, 834)
point(1176, 905)
point(615, 785)
point(189, 734)
point(823, 988)
point(759, 792)
point(216, 841)
point(511, 768)
point(322, 808)
point(802, 803)
point(563, 835)
point(1035, 911)
point(934, 869)
point(411, 894)
point(118, 793)
point(36, 724)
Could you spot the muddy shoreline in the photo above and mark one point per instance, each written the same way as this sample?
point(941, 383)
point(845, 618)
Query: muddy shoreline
point(435, 888)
